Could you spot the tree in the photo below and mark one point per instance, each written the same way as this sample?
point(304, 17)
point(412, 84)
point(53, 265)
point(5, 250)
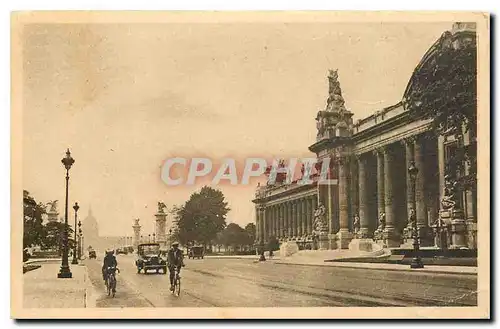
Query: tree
point(273, 244)
point(53, 236)
point(33, 230)
point(444, 89)
point(202, 216)
point(251, 233)
point(234, 236)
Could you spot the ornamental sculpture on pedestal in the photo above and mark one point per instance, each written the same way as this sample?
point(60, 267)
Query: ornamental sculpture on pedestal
point(320, 223)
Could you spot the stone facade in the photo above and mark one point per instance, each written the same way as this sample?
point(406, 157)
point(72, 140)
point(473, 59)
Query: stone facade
point(369, 160)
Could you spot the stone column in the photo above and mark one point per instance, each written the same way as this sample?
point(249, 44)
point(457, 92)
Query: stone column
point(257, 223)
point(278, 221)
point(420, 196)
point(283, 220)
point(308, 216)
point(265, 230)
point(294, 218)
point(299, 217)
point(52, 215)
point(380, 154)
point(137, 233)
point(271, 221)
point(161, 229)
point(314, 203)
point(344, 234)
point(364, 230)
point(410, 156)
point(289, 219)
point(390, 234)
point(304, 217)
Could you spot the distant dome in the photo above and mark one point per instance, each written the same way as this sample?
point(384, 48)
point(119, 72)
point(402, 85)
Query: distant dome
point(89, 225)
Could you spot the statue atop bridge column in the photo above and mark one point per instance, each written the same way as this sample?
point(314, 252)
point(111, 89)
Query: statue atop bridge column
point(52, 213)
point(137, 233)
point(161, 220)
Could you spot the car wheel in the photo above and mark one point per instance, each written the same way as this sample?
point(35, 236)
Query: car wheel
point(138, 270)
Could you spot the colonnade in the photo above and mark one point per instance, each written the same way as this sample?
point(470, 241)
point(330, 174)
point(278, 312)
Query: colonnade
point(294, 219)
point(291, 219)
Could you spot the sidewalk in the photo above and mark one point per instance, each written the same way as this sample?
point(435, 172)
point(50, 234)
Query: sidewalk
point(387, 267)
point(318, 259)
point(42, 288)
point(43, 260)
point(254, 257)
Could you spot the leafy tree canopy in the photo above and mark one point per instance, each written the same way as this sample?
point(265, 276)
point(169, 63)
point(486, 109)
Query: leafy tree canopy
point(444, 89)
point(202, 216)
point(33, 230)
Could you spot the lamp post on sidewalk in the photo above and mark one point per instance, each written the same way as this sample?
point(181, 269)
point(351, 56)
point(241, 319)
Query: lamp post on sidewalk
point(80, 240)
point(416, 262)
point(75, 259)
point(65, 271)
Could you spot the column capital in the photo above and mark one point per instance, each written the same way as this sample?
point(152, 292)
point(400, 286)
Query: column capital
point(410, 140)
point(360, 158)
point(380, 151)
point(341, 160)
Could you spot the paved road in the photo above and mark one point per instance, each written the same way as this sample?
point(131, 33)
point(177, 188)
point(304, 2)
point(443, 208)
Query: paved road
point(241, 282)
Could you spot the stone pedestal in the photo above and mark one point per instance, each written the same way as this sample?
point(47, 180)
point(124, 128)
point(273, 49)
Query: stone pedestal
point(364, 245)
point(137, 233)
point(426, 236)
point(161, 220)
point(458, 227)
point(458, 231)
point(288, 248)
point(323, 241)
point(391, 238)
point(471, 234)
point(52, 216)
point(344, 238)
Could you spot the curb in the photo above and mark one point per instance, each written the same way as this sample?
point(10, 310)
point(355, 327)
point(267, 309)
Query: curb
point(383, 269)
point(90, 298)
point(44, 260)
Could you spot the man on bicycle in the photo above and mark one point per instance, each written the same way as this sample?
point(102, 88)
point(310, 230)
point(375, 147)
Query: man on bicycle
point(175, 260)
point(109, 261)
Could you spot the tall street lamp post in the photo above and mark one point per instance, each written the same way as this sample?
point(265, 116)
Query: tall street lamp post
point(80, 247)
point(65, 271)
point(75, 259)
point(416, 262)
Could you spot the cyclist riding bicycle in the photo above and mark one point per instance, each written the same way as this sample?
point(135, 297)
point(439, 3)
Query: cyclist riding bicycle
point(175, 260)
point(109, 261)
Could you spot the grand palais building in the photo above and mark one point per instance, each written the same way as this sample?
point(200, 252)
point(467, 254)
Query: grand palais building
point(375, 194)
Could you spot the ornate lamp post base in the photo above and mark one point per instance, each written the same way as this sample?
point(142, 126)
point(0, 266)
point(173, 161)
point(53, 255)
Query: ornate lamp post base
point(65, 273)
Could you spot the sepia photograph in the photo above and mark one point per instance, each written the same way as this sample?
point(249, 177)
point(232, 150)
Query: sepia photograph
point(331, 165)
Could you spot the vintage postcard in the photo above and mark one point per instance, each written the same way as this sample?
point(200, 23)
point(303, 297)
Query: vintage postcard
point(250, 165)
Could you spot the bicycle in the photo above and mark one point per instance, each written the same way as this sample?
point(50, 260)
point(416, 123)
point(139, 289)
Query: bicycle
point(111, 280)
point(177, 282)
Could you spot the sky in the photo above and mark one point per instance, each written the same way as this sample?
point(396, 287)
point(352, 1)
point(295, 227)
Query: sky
point(125, 97)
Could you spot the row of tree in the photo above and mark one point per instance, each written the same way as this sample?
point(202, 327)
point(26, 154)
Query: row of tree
point(35, 232)
point(202, 220)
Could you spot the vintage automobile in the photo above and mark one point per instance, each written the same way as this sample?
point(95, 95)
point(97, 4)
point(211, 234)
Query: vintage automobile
point(196, 252)
point(149, 257)
point(92, 254)
point(121, 251)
